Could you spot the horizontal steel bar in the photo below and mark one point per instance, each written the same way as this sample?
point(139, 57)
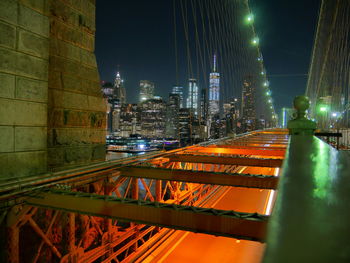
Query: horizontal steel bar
point(202, 220)
point(263, 140)
point(200, 177)
point(242, 161)
point(223, 150)
point(267, 148)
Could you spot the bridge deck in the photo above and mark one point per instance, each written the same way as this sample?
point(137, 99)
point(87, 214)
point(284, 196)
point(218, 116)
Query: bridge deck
point(236, 175)
point(191, 247)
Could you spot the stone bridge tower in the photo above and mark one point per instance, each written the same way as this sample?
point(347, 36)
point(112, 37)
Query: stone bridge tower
point(52, 114)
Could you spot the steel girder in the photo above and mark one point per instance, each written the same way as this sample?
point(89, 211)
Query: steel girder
point(237, 151)
point(202, 220)
point(200, 177)
point(242, 161)
point(248, 147)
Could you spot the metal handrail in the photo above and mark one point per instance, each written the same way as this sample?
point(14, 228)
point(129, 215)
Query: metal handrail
point(310, 222)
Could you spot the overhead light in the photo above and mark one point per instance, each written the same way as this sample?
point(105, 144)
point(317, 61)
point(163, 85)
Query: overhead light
point(249, 19)
point(255, 41)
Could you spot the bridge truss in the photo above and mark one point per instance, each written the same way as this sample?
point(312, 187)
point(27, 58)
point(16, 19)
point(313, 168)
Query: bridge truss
point(115, 211)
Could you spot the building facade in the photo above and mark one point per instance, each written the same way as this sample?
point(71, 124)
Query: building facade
point(192, 99)
point(119, 89)
point(146, 90)
point(172, 116)
point(130, 120)
point(248, 112)
point(214, 90)
point(185, 126)
point(153, 117)
point(179, 91)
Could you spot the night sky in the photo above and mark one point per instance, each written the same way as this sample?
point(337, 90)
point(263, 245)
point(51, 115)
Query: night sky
point(138, 36)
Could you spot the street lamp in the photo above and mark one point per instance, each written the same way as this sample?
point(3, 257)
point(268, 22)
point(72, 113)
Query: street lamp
point(249, 19)
point(255, 41)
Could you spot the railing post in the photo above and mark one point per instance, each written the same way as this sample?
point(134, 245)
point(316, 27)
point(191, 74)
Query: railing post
point(301, 125)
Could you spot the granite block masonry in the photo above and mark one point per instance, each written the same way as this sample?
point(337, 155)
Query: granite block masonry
point(52, 114)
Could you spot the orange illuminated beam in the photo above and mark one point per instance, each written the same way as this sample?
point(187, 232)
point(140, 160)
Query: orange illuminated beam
point(223, 150)
point(228, 146)
point(195, 219)
point(200, 177)
point(242, 161)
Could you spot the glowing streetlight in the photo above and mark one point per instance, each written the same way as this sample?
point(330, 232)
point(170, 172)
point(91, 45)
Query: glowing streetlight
point(323, 109)
point(249, 19)
point(266, 84)
point(268, 93)
point(255, 41)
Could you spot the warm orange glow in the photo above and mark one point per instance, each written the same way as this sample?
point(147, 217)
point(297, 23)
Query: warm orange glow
point(219, 150)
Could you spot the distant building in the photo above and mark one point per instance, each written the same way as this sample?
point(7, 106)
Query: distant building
point(214, 90)
point(130, 120)
point(153, 118)
point(192, 99)
point(286, 115)
point(215, 127)
point(248, 113)
point(179, 91)
point(116, 97)
point(203, 106)
point(185, 126)
point(107, 89)
point(172, 116)
point(235, 108)
point(227, 108)
point(146, 90)
point(119, 90)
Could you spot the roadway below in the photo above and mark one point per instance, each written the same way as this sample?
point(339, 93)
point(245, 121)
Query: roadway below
point(191, 247)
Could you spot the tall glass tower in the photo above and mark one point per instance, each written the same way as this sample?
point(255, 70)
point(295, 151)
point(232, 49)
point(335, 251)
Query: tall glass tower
point(179, 91)
point(214, 90)
point(192, 99)
point(119, 90)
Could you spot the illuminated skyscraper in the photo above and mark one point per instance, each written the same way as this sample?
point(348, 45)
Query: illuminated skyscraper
point(287, 115)
point(172, 116)
point(119, 90)
point(153, 118)
point(179, 91)
point(192, 99)
point(214, 90)
point(146, 90)
point(248, 113)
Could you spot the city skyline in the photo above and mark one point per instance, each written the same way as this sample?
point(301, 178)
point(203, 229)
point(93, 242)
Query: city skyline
point(158, 63)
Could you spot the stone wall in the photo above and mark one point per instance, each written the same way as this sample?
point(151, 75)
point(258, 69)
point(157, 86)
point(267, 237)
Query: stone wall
point(76, 120)
point(52, 115)
point(24, 54)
